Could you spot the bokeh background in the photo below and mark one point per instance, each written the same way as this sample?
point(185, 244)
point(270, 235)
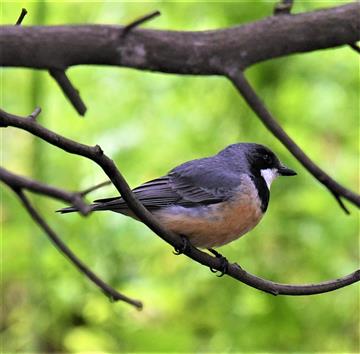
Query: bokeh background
point(148, 123)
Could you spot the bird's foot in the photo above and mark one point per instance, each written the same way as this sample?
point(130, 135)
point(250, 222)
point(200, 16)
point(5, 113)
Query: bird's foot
point(224, 267)
point(184, 247)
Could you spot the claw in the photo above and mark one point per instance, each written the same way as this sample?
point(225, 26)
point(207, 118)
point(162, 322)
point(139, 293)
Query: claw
point(184, 246)
point(224, 263)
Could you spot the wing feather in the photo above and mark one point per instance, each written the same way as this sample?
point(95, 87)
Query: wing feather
point(161, 192)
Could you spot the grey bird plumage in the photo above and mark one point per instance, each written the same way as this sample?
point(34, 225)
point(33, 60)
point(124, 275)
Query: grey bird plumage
point(211, 200)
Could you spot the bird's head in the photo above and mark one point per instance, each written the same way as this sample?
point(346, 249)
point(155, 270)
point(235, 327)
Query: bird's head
point(259, 160)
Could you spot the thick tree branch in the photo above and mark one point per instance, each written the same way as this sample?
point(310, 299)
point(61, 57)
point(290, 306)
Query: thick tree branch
point(250, 96)
point(199, 53)
point(97, 155)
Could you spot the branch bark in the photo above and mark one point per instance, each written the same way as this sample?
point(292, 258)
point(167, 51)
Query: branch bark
point(199, 53)
point(96, 154)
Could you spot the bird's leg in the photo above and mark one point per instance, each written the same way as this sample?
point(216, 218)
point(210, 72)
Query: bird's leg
point(224, 262)
point(184, 247)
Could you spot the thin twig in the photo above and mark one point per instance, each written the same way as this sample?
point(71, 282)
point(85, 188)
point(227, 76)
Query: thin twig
point(341, 203)
point(91, 189)
point(240, 82)
point(113, 294)
point(35, 114)
point(21, 17)
point(283, 7)
point(140, 21)
point(69, 90)
point(96, 154)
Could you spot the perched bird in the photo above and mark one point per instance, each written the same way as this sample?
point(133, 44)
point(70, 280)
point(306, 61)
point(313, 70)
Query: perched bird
point(211, 201)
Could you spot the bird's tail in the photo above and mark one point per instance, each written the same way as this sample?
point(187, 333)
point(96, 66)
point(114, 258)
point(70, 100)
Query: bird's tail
point(112, 204)
point(67, 210)
point(72, 209)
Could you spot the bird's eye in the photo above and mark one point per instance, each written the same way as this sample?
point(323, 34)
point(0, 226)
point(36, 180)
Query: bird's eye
point(267, 158)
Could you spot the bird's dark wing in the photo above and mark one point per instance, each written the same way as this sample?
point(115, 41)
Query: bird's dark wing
point(163, 192)
point(155, 193)
point(204, 180)
point(197, 182)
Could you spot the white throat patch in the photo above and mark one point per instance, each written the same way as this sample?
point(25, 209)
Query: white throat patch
point(269, 174)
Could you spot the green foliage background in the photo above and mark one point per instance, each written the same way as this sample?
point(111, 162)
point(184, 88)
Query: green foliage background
point(148, 123)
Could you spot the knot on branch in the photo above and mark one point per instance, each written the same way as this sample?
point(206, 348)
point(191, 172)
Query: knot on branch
point(283, 7)
point(98, 150)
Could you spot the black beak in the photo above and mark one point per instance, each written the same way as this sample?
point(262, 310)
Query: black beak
point(285, 171)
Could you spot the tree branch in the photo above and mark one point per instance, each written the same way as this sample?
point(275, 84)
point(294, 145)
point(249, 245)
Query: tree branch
point(250, 96)
point(35, 113)
point(18, 184)
point(69, 90)
point(91, 189)
point(140, 21)
point(65, 84)
point(97, 155)
point(21, 17)
point(199, 53)
point(113, 294)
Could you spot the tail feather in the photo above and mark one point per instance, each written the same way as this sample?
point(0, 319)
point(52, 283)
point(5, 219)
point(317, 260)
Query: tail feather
point(67, 210)
point(113, 206)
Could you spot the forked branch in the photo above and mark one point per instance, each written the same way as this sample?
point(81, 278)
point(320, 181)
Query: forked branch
point(96, 154)
point(18, 184)
point(199, 53)
point(222, 52)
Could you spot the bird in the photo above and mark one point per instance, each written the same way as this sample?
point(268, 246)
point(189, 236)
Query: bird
point(209, 201)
